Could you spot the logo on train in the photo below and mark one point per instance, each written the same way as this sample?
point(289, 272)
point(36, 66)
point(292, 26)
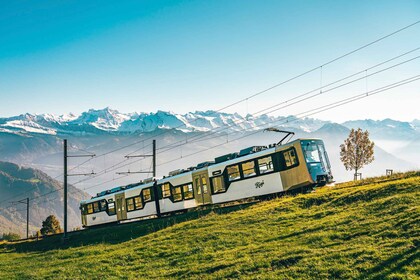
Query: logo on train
point(259, 184)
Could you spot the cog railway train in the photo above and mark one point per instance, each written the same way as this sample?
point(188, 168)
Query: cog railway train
point(256, 171)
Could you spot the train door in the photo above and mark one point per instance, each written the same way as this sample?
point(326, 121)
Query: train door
point(202, 188)
point(121, 209)
point(84, 219)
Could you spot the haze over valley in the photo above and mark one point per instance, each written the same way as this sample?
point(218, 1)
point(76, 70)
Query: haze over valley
point(183, 140)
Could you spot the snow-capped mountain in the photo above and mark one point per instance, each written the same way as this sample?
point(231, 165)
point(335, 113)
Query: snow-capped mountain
point(112, 121)
point(387, 128)
point(36, 140)
point(416, 124)
point(105, 119)
point(109, 120)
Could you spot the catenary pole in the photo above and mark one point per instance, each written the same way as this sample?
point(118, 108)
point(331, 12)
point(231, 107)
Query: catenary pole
point(65, 188)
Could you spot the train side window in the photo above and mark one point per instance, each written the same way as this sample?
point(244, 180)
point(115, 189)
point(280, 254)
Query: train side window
point(103, 205)
point(290, 158)
point(188, 191)
point(265, 165)
point(248, 168)
point(130, 204)
point(166, 190)
point(147, 195)
point(177, 194)
point(90, 208)
point(96, 207)
point(138, 203)
point(233, 172)
point(218, 184)
point(111, 208)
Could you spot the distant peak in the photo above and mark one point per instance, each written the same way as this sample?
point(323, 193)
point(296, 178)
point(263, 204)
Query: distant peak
point(106, 109)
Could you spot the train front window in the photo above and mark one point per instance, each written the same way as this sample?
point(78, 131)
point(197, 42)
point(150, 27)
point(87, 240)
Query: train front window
point(311, 153)
point(317, 158)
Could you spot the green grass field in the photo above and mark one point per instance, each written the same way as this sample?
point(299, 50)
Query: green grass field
point(363, 230)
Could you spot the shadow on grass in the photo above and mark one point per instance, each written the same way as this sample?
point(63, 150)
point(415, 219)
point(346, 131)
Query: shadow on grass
point(115, 233)
point(305, 231)
point(392, 264)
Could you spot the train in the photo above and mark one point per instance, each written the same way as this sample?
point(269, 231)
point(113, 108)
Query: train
point(253, 172)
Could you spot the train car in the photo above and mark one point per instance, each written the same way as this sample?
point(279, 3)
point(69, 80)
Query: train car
point(252, 172)
point(176, 192)
point(129, 202)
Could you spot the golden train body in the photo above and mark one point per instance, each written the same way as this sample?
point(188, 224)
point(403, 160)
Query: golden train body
point(256, 171)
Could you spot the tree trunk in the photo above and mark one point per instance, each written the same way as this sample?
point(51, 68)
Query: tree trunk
point(355, 175)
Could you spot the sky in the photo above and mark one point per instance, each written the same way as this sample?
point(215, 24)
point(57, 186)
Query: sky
point(142, 56)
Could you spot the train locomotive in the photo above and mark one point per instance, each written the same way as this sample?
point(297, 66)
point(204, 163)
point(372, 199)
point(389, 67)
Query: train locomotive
point(253, 172)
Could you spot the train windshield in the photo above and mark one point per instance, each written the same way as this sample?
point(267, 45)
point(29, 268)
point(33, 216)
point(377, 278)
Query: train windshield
point(314, 152)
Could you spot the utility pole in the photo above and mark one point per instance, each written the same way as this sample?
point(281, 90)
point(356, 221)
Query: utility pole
point(65, 182)
point(155, 190)
point(154, 158)
point(27, 217)
point(25, 201)
point(65, 188)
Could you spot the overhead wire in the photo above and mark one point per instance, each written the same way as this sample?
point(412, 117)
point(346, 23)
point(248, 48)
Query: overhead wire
point(304, 114)
point(218, 129)
point(263, 91)
point(316, 111)
point(117, 166)
point(281, 83)
point(198, 137)
point(322, 65)
point(277, 85)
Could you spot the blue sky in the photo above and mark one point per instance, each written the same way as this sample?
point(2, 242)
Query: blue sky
point(69, 56)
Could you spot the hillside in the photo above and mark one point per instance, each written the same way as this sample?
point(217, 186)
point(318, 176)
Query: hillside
point(365, 231)
point(18, 183)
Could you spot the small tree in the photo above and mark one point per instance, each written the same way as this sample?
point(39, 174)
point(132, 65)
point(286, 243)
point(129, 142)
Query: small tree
point(51, 226)
point(11, 236)
point(357, 151)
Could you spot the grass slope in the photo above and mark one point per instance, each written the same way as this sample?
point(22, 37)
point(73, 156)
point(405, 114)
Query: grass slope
point(368, 230)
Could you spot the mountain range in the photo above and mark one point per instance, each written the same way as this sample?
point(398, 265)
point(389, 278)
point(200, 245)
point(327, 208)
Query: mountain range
point(35, 140)
point(111, 121)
